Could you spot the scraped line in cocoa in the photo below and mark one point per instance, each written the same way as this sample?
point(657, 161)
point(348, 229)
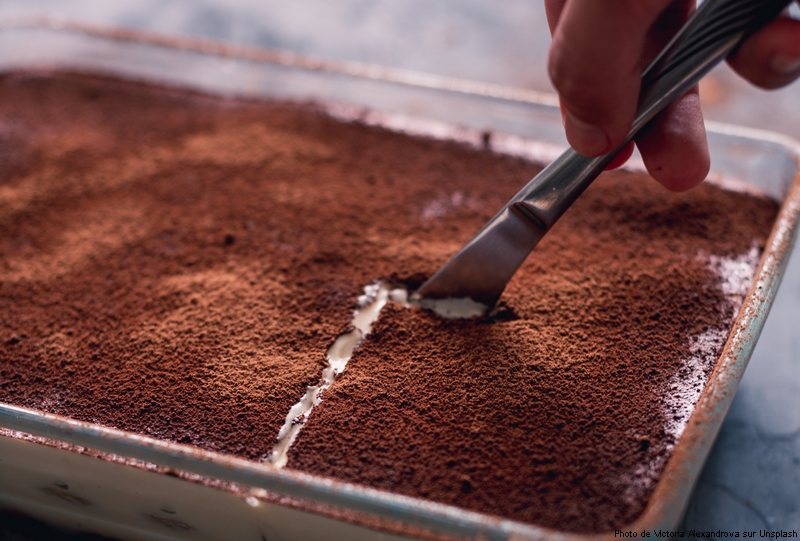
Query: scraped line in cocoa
point(370, 304)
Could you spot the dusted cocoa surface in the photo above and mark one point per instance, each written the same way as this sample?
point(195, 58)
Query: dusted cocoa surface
point(560, 410)
point(176, 265)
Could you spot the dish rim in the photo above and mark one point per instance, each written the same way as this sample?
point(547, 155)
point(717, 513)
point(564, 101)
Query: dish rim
point(670, 496)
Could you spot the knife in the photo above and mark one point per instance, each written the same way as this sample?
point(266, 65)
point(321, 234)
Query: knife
point(483, 267)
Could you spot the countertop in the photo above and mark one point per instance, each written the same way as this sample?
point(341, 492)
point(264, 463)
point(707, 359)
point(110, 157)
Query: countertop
point(751, 481)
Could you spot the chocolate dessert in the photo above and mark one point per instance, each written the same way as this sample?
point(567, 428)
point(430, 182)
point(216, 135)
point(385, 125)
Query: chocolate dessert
point(177, 265)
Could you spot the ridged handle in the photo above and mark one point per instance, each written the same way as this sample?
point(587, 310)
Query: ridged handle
point(710, 34)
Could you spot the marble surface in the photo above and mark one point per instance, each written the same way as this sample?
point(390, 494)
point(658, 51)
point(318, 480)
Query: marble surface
point(752, 478)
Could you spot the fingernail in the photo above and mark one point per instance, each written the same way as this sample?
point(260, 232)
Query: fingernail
point(563, 115)
point(785, 65)
point(587, 139)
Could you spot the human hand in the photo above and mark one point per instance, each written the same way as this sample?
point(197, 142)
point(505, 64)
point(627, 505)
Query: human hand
point(601, 47)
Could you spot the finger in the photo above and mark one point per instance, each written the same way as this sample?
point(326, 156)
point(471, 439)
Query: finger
point(674, 147)
point(596, 63)
point(622, 156)
point(770, 58)
point(620, 159)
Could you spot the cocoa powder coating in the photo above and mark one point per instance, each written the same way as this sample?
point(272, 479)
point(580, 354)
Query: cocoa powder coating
point(177, 264)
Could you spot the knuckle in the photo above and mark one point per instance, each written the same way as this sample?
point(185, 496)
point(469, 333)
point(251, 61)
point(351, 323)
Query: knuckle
point(555, 63)
point(570, 84)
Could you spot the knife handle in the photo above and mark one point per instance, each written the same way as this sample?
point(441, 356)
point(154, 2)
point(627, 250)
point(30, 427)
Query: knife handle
point(710, 34)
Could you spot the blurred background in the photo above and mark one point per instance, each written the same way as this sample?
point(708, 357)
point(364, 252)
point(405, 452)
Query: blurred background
point(752, 478)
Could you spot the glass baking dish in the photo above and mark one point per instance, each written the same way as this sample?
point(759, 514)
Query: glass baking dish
point(93, 478)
